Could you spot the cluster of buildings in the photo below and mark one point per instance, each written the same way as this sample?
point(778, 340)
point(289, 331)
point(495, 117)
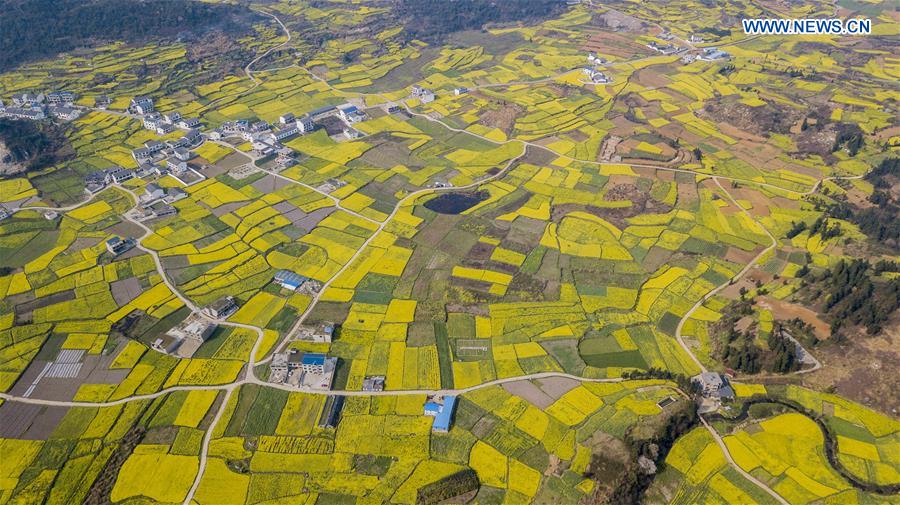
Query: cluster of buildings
point(596, 76)
point(56, 104)
point(265, 138)
point(156, 202)
point(99, 179)
point(303, 370)
point(667, 48)
point(184, 339)
point(706, 54)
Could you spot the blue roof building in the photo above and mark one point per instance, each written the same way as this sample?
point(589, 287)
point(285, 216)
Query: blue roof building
point(289, 280)
point(443, 414)
point(313, 362)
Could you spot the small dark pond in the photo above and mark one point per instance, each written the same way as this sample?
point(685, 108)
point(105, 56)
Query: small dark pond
point(454, 203)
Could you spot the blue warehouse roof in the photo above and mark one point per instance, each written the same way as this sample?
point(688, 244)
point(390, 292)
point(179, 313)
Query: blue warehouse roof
point(312, 358)
point(287, 277)
point(443, 418)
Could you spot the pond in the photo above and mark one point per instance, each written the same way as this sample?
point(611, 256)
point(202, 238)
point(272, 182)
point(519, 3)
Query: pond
point(454, 203)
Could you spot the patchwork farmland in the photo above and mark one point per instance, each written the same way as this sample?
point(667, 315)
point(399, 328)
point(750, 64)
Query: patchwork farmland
point(618, 253)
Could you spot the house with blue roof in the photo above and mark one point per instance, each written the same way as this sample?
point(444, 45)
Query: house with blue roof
point(442, 412)
point(313, 362)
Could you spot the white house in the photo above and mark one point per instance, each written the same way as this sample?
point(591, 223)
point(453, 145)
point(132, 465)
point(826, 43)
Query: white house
point(305, 124)
point(142, 105)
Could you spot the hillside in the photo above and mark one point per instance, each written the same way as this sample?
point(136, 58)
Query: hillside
point(37, 29)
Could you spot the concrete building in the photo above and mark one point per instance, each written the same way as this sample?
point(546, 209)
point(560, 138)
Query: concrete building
point(713, 385)
point(188, 122)
point(153, 192)
point(60, 97)
point(222, 308)
point(183, 154)
point(141, 154)
point(118, 175)
point(713, 54)
point(118, 246)
point(286, 118)
point(154, 146)
point(460, 91)
point(350, 114)
point(313, 363)
point(306, 124)
point(141, 105)
point(194, 328)
point(152, 120)
point(65, 113)
point(27, 99)
point(172, 117)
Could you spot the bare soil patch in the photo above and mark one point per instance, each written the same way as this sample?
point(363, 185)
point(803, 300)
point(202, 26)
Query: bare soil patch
point(787, 310)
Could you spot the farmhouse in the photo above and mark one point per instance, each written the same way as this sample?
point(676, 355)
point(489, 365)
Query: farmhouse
point(141, 154)
point(141, 105)
point(712, 385)
point(183, 154)
point(154, 146)
point(713, 54)
point(102, 102)
point(153, 191)
point(152, 120)
point(34, 114)
point(118, 175)
point(60, 97)
point(350, 114)
point(95, 181)
point(460, 91)
point(27, 99)
point(176, 166)
point(286, 118)
point(172, 117)
point(118, 246)
point(188, 122)
point(442, 412)
point(164, 129)
point(222, 308)
point(305, 124)
point(285, 133)
point(157, 210)
point(65, 113)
